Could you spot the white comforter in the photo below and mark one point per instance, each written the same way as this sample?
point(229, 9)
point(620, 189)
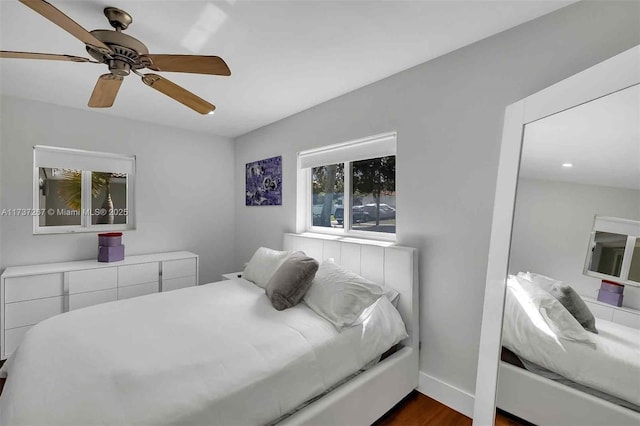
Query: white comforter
point(158, 360)
point(608, 362)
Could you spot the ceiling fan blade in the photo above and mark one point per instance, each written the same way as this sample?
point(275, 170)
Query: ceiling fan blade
point(105, 91)
point(187, 63)
point(63, 21)
point(49, 56)
point(178, 93)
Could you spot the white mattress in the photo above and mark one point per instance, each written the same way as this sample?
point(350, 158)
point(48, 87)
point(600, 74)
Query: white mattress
point(611, 364)
point(158, 360)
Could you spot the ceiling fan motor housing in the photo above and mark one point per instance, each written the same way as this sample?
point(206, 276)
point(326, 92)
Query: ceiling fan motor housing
point(126, 51)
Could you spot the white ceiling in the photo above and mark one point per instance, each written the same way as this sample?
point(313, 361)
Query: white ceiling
point(285, 56)
point(600, 138)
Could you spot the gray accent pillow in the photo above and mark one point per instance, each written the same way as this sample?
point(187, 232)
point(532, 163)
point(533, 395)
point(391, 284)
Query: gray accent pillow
point(571, 300)
point(566, 295)
point(290, 282)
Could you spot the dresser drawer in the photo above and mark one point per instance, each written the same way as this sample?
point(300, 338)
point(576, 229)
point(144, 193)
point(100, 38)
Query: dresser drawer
point(32, 287)
point(626, 318)
point(176, 283)
point(93, 279)
point(12, 339)
point(138, 274)
point(137, 290)
point(82, 300)
point(179, 268)
point(30, 312)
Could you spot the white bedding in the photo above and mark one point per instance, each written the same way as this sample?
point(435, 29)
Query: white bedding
point(609, 362)
point(157, 360)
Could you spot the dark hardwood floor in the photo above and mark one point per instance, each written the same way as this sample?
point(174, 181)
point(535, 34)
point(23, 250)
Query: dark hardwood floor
point(420, 410)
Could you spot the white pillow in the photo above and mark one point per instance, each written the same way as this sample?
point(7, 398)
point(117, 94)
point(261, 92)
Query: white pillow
point(263, 264)
point(544, 282)
point(382, 327)
point(529, 309)
point(340, 296)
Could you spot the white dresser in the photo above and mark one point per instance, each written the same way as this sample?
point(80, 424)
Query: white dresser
point(620, 315)
point(30, 294)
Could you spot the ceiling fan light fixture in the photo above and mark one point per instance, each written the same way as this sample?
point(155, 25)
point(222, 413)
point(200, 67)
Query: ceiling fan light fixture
point(119, 68)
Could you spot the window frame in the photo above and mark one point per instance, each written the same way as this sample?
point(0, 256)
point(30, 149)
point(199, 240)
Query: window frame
point(614, 225)
point(86, 208)
point(305, 193)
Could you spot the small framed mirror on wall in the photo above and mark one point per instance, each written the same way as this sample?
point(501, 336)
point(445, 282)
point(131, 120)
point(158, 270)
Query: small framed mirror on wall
point(560, 339)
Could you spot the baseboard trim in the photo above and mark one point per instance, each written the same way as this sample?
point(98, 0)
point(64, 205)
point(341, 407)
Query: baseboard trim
point(447, 394)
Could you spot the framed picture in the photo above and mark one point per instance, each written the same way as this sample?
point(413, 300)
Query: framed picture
point(264, 182)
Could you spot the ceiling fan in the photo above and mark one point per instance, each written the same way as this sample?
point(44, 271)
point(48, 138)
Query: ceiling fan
point(123, 55)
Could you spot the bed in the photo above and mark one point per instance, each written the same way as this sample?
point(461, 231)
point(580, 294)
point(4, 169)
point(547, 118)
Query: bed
point(217, 354)
point(572, 363)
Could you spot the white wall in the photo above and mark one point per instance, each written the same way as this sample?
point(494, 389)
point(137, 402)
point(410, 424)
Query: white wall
point(552, 226)
point(448, 114)
point(184, 185)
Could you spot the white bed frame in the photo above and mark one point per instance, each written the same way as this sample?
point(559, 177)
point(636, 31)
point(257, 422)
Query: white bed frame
point(545, 402)
point(365, 398)
point(526, 395)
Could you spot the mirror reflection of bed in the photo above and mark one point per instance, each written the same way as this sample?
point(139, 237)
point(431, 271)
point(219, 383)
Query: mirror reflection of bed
point(575, 165)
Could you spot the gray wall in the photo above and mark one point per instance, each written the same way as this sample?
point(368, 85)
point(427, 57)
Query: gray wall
point(552, 226)
point(183, 185)
point(448, 114)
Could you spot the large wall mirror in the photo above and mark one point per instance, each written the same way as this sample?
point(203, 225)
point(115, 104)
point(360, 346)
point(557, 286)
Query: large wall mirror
point(560, 340)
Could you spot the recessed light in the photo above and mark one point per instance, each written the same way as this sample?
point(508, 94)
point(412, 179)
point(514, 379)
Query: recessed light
point(211, 112)
point(567, 165)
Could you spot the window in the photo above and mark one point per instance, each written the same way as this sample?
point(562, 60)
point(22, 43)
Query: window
point(350, 188)
point(614, 250)
point(82, 191)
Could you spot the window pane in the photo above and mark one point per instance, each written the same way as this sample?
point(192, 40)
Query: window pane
point(607, 253)
point(374, 194)
point(634, 271)
point(327, 189)
point(60, 197)
point(108, 198)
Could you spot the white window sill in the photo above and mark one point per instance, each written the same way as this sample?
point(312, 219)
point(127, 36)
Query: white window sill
point(349, 239)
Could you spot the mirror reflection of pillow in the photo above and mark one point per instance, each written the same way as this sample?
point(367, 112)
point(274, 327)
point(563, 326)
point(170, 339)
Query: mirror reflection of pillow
point(566, 295)
point(527, 304)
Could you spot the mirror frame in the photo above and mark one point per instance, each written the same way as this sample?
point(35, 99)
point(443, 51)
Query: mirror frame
point(612, 75)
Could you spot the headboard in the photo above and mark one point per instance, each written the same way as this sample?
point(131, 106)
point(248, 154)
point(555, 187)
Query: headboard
point(393, 266)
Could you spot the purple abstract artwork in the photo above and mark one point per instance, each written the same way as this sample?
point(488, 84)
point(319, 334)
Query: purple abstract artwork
point(264, 182)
